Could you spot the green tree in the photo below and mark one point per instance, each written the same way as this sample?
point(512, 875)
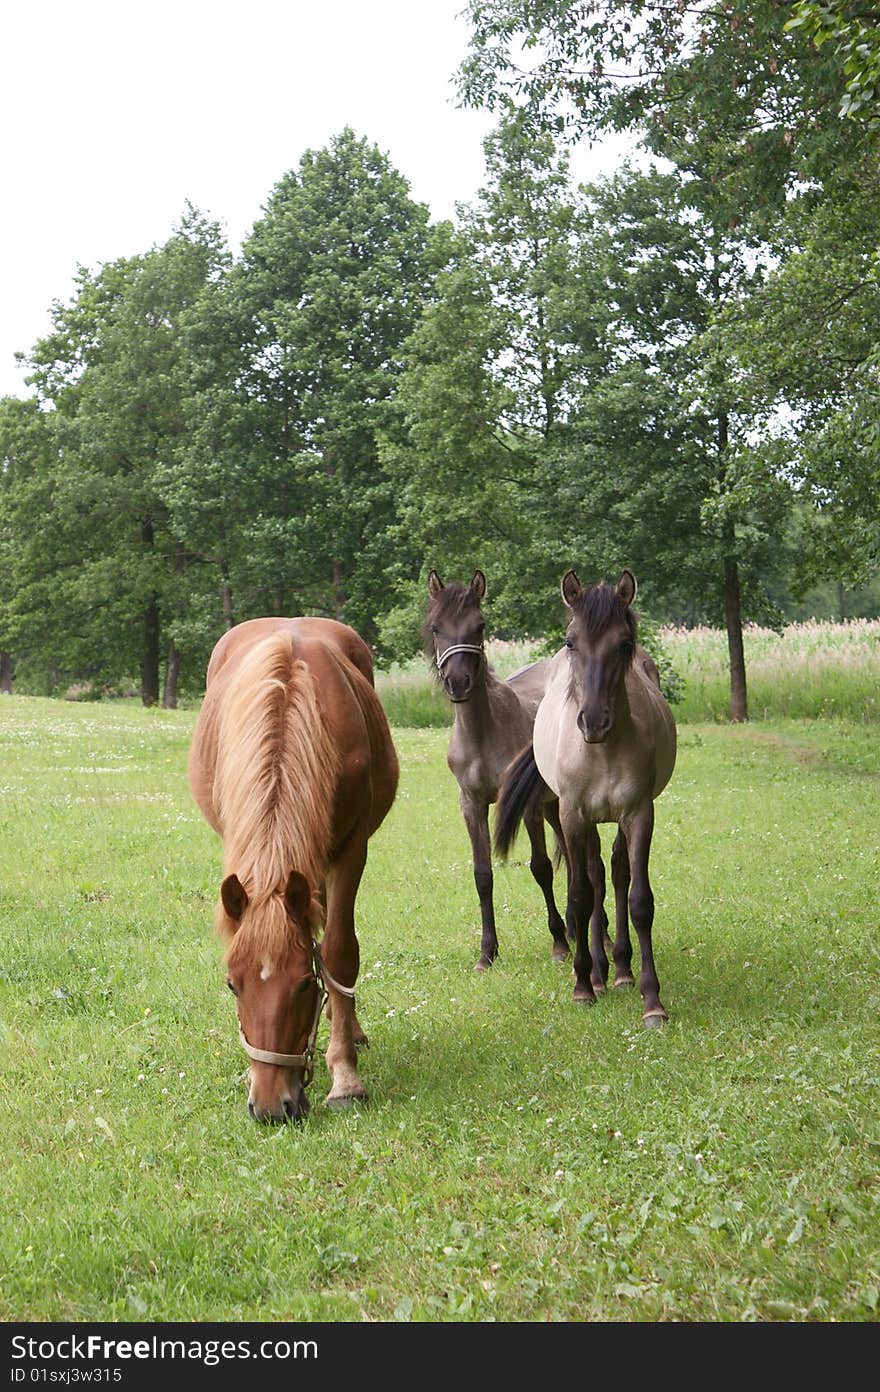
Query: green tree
point(111, 373)
point(26, 543)
point(331, 282)
point(853, 30)
point(487, 388)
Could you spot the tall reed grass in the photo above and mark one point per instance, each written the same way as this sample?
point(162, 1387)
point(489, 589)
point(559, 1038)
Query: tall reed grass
point(811, 669)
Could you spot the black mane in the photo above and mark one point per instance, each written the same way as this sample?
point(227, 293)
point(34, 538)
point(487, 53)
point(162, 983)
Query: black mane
point(598, 606)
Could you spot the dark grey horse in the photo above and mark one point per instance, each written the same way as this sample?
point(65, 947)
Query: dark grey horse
point(493, 723)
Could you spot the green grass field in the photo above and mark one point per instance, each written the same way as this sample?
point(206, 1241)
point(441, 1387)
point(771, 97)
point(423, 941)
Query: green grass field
point(808, 670)
point(520, 1159)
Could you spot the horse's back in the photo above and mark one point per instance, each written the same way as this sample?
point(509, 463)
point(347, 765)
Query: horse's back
point(341, 668)
point(244, 636)
point(530, 683)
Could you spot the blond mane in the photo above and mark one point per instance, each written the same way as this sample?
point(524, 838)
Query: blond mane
point(275, 780)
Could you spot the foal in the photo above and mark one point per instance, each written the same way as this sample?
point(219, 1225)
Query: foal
point(493, 721)
point(604, 742)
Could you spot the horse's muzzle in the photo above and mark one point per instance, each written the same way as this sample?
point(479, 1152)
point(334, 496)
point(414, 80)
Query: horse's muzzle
point(290, 1107)
point(594, 731)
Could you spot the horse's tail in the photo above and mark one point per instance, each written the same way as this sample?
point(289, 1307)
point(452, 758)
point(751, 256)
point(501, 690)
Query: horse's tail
point(521, 789)
point(277, 769)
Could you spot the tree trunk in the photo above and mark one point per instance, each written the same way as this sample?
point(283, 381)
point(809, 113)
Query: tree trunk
point(733, 619)
point(150, 659)
point(150, 663)
point(841, 599)
point(172, 672)
point(5, 674)
point(228, 615)
point(338, 592)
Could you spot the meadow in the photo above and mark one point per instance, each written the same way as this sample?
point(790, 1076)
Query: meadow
point(520, 1158)
point(811, 669)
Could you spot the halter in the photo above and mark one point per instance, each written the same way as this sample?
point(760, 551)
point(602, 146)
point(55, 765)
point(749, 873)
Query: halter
point(305, 1061)
point(440, 658)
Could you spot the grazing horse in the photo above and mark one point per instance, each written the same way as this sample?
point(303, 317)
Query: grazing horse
point(292, 764)
point(604, 743)
point(493, 720)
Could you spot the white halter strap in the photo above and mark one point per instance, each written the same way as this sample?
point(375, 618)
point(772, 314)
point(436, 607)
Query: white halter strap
point(307, 1059)
point(457, 648)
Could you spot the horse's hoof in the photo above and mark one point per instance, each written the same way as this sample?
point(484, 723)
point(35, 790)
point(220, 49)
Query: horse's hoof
point(345, 1104)
point(654, 1019)
point(599, 988)
point(484, 964)
point(560, 952)
point(582, 997)
point(361, 1042)
point(620, 981)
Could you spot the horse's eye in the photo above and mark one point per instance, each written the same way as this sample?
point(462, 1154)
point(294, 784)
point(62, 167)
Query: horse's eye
point(434, 628)
point(231, 987)
point(569, 642)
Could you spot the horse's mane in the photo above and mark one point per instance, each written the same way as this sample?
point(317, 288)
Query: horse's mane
point(598, 606)
point(274, 784)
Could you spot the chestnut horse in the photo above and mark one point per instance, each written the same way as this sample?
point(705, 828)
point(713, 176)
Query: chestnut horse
point(604, 743)
point(293, 765)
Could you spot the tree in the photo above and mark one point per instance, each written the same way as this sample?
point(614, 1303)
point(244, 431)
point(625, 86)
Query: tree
point(854, 31)
point(745, 106)
point(486, 388)
point(25, 500)
point(111, 373)
point(331, 282)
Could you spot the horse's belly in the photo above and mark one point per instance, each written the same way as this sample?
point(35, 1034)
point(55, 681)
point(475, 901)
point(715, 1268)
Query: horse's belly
point(544, 744)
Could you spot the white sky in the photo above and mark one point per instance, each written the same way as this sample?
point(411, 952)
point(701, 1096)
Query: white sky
point(113, 114)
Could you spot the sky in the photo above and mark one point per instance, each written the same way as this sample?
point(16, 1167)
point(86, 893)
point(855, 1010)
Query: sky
point(114, 114)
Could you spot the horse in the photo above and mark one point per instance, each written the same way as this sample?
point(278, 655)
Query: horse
point(493, 720)
point(604, 744)
point(293, 765)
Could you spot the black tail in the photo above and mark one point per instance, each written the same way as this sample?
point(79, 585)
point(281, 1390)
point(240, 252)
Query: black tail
point(521, 788)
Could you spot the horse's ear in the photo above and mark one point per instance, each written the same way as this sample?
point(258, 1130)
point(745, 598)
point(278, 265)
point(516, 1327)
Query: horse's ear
point(571, 588)
point(626, 588)
point(298, 897)
point(235, 900)
point(435, 584)
point(478, 585)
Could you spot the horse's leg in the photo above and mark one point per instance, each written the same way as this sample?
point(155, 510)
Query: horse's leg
point(341, 954)
point(599, 940)
point(476, 819)
point(620, 879)
point(551, 815)
point(580, 900)
point(360, 1039)
point(638, 828)
point(541, 867)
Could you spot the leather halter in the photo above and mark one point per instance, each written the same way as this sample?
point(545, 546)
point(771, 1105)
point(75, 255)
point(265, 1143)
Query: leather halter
point(305, 1060)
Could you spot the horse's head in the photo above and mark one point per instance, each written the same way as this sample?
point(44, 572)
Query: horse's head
point(454, 633)
point(271, 972)
point(601, 641)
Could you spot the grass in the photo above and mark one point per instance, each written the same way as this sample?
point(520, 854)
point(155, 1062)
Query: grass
point(520, 1159)
point(810, 670)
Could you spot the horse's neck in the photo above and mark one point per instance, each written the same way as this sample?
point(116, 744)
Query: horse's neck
point(474, 717)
